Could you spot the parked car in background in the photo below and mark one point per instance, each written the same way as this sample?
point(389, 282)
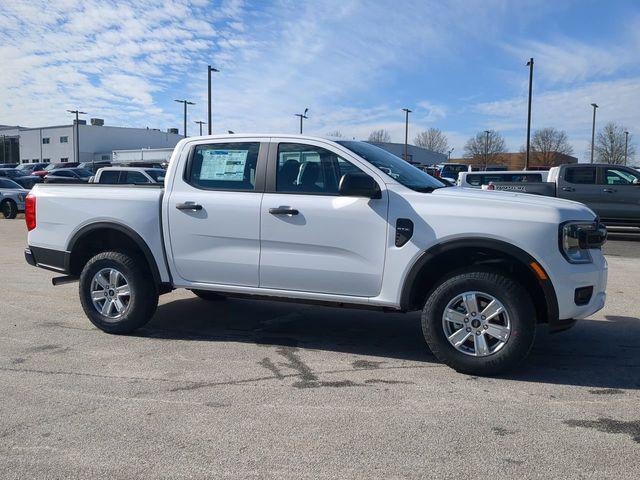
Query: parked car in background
point(21, 178)
point(8, 165)
point(478, 179)
point(28, 168)
point(54, 166)
point(348, 224)
point(93, 167)
point(12, 197)
point(612, 191)
point(450, 171)
point(129, 175)
point(68, 175)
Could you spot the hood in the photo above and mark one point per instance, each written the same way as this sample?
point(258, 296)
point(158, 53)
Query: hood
point(500, 204)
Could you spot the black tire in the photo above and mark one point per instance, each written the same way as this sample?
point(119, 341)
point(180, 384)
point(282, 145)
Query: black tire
point(517, 303)
point(9, 209)
point(209, 296)
point(143, 300)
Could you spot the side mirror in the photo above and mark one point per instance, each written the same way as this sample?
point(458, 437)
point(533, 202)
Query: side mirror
point(359, 185)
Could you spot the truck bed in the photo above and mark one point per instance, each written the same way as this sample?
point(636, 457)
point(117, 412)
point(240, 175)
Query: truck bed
point(62, 211)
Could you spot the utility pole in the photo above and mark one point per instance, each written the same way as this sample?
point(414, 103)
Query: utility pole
point(209, 70)
point(185, 103)
point(406, 133)
point(526, 161)
point(200, 122)
point(449, 154)
point(76, 134)
point(626, 146)
point(593, 129)
point(486, 148)
point(302, 116)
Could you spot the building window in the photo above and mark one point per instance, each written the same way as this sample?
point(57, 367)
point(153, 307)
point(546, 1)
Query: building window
point(64, 139)
point(106, 157)
point(64, 159)
point(46, 140)
point(46, 160)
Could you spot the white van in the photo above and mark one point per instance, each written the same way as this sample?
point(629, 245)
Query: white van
point(478, 179)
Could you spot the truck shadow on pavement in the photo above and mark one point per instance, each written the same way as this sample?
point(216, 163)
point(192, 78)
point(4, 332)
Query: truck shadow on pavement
point(604, 354)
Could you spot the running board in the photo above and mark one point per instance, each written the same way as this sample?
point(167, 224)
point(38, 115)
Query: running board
point(62, 280)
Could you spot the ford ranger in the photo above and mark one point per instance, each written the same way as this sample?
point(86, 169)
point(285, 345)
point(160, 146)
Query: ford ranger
point(347, 224)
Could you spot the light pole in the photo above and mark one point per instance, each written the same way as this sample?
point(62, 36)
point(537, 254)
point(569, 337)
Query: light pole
point(526, 160)
point(593, 129)
point(185, 102)
point(302, 116)
point(486, 148)
point(77, 134)
point(449, 154)
point(626, 146)
point(406, 133)
point(209, 70)
point(200, 122)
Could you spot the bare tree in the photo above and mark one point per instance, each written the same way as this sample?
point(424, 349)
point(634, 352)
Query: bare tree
point(379, 136)
point(485, 148)
point(432, 139)
point(335, 134)
point(610, 141)
point(546, 146)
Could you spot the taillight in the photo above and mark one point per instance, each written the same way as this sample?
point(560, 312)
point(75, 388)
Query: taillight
point(30, 211)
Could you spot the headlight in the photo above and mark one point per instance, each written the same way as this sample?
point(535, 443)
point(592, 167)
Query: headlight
point(577, 238)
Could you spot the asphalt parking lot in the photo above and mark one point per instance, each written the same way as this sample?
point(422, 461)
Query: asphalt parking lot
point(247, 389)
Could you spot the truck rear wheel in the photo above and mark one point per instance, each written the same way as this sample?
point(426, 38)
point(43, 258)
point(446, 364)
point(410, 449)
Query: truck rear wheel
point(9, 209)
point(117, 292)
point(479, 322)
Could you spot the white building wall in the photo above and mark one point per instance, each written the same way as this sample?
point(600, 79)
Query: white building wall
point(95, 141)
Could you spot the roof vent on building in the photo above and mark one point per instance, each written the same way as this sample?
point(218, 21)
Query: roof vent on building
point(97, 122)
point(172, 130)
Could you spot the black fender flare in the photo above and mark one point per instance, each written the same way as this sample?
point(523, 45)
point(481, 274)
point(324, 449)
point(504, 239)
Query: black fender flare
point(129, 232)
point(503, 247)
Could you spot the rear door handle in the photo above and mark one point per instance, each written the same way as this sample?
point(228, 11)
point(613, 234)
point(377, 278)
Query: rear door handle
point(568, 189)
point(609, 190)
point(283, 211)
point(188, 206)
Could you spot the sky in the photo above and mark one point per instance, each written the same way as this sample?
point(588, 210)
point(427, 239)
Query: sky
point(460, 66)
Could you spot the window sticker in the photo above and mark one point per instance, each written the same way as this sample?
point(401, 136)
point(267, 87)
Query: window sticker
point(226, 165)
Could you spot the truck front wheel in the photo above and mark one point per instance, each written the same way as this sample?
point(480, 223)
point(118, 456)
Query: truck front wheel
point(479, 322)
point(117, 292)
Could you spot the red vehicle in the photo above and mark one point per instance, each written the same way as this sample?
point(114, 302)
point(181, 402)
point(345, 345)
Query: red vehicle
point(54, 166)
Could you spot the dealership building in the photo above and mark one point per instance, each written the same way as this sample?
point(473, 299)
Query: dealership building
point(95, 140)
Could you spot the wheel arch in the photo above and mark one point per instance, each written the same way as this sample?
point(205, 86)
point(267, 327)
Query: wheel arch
point(80, 245)
point(440, 260)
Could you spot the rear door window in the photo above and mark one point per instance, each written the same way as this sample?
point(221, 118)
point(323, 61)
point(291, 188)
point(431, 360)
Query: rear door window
point(133, 177)
point(223, 166)
point(580, 175)
point(109, 177)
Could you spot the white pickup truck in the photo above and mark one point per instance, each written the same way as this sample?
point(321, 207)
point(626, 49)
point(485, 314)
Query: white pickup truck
point(343, 223)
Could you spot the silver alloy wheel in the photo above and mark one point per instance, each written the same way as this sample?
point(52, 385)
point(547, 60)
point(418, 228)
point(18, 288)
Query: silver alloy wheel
point(476, 324)
point(110, 293)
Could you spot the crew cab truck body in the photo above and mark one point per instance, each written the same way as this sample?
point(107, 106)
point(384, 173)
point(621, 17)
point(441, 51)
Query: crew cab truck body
point(337, 223)
point(611, 191)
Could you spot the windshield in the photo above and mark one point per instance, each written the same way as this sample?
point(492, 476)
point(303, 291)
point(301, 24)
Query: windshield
point(81, 172)
point(157, 174)
point(401, 171)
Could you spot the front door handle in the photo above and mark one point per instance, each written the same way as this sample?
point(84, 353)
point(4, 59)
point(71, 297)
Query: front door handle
point(608, 190)
point(283, 211)
point(568, 189)
point(188, 206)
